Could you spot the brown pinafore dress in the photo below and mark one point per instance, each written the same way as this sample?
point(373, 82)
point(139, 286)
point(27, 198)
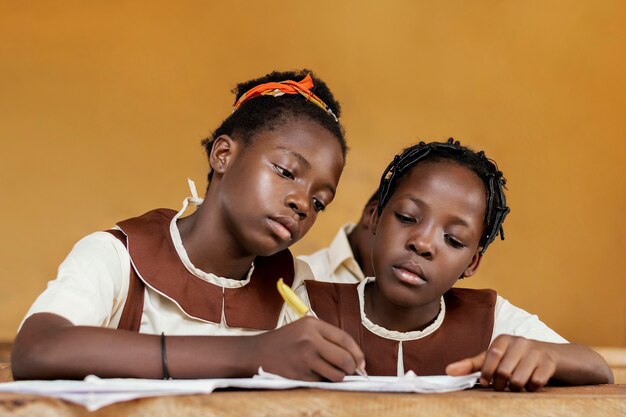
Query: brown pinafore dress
point(466, 329)
point(155, 262)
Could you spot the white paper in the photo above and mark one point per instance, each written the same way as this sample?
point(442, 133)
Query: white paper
point(94, 393)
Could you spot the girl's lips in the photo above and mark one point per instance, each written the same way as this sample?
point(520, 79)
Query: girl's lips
point(280, 230)
point(408, 277)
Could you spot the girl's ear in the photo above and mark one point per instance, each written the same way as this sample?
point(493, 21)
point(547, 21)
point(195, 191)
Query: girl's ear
point(474, 264)
point(223, 150)
point(367, 215)
point(373, 221)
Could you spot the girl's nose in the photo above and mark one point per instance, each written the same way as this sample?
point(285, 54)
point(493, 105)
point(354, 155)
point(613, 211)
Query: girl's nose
point(299, 204)
point(421, 243)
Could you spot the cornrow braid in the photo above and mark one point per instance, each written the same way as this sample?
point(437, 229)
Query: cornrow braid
point(452, 150)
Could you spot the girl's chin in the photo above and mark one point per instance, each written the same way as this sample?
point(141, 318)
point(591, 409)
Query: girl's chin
point(401, 298)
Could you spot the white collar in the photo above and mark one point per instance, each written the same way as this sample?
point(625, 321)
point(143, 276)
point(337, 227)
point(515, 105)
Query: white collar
point(340, 253)
point(393, 334)
point(182, 253)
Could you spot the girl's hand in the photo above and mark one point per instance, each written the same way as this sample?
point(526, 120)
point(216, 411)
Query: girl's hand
point(512, 361)
point(308, 349)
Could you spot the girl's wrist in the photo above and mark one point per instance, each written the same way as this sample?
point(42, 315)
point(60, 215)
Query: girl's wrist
point(248, 355)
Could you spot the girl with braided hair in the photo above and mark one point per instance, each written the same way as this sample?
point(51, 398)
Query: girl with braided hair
point(440, 206)
point(207, 280)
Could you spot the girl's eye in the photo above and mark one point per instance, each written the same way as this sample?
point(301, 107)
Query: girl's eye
point(283, 172)
point(455, 243)
point(319, 206)
point(404, 219)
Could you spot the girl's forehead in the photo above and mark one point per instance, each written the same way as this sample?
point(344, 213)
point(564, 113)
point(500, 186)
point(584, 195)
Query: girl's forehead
point(443, 180)
point(311, 146)
point(297, 134)
point(443, 172)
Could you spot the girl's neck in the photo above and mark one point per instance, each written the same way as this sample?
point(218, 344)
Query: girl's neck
point(385, 313)
point(210, 247)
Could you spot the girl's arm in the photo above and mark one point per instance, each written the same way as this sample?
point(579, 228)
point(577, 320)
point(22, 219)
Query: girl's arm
point(49, 347)
point(521, 363)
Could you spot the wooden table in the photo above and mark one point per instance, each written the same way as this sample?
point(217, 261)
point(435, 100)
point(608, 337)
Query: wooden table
point(602, 400)
point(616, 358)
point(5, 372)
point(5, 351)
point(605, 401)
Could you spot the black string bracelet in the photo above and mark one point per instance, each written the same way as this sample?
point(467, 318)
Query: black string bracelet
point(166, 372)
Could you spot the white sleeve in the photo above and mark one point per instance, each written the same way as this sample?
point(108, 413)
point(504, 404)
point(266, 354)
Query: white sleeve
point(91, 283)
point(515, 321)
point(319, 263)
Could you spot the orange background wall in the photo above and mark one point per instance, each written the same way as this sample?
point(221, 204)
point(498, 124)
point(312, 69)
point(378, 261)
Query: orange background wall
point(103, 105)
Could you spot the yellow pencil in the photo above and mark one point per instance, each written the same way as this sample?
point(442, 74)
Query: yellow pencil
point(293, 301)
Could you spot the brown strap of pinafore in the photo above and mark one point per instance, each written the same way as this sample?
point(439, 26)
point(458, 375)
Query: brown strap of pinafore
point(133, 308)
point(337, 304)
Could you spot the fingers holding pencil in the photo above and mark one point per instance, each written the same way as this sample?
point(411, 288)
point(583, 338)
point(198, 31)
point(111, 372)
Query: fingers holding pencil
point(339, 338)
point(309, 349)
point(300, 307)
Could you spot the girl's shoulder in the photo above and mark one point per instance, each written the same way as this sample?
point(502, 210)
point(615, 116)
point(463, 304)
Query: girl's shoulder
point(102, 245)
point(510, 319)
point(470, 296)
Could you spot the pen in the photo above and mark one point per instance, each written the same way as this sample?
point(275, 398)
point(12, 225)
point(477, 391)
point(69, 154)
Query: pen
point(297, 305)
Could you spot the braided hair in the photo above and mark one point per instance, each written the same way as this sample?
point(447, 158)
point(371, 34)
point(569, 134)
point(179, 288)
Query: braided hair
point(266, 113)
point(452, 150)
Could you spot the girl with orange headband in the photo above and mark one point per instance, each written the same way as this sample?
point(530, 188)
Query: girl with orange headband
point(164, 295)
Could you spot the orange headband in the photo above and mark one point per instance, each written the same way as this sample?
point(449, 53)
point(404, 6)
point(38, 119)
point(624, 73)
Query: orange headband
point(276, 89)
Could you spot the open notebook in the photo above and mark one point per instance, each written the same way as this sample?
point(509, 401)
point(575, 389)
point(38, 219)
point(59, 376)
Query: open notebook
point(94, 393)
